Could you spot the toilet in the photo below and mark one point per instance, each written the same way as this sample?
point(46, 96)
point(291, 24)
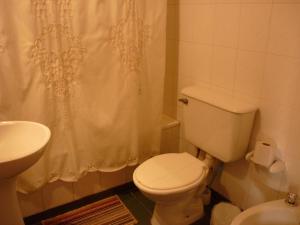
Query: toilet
point(218, 125)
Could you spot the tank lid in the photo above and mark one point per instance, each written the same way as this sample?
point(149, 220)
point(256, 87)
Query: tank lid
point(225, 102)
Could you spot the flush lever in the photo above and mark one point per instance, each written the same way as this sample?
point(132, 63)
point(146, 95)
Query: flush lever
point(184, 100)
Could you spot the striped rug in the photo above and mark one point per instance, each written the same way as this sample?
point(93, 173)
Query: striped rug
point(109, 211)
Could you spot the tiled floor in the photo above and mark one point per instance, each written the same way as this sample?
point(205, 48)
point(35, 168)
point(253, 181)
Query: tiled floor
point(139, 205)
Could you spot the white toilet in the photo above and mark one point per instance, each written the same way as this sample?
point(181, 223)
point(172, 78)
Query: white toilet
point(219, 126)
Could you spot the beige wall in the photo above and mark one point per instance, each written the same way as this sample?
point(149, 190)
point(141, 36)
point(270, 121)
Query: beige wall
point(249, 49)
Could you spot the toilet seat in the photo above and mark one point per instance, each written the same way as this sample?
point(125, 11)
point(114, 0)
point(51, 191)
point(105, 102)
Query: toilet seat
point(170, 173)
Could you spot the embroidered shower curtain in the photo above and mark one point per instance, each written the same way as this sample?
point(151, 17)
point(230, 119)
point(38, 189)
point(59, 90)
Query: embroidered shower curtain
point(92, 71)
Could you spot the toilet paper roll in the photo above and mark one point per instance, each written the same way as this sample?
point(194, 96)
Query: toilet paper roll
point(264, 154)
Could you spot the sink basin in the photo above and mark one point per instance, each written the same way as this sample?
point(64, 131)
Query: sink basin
point(269, 213)
point(21, 145)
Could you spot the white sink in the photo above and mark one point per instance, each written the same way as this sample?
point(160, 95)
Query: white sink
point(269, 213)
point(21, 145)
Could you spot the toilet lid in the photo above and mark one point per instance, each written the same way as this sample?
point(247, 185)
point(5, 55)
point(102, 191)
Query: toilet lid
point(169, 171)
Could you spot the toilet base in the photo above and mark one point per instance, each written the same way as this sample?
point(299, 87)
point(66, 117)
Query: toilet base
point(177, 214)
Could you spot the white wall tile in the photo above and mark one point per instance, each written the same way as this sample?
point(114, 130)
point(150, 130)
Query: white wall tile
point(184, 81)
point(285, 30)
point(256, 1)
point(112, 179)
point(186, 146)
point(254, 27)
point(195, 61)
point(185, 60)
point(180, 116)
point(226, 93)
point(87, 185)
point(286, 1)
point(185, 65)
point(129, 173)
point(165, 141)
point(186, 28)
point(170, 140)
point(223, 67)
point(258, 192)
point(203, 23)
point(175, 135)
point(274, 122)
point(249, 73)
point(227, 1)
point(274, 181)
point(292, 152)
point(281, 80)
point(57, 193)
point(172, 2)
point(226, 25)
point(31, 203)
point(195, 1)
point(241, 96)
point(201, 60)
point(233, 182)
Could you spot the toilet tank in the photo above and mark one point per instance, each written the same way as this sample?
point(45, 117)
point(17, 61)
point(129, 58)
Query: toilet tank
point(217, 124)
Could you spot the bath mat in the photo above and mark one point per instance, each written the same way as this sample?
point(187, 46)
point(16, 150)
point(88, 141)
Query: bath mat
point(109, 211)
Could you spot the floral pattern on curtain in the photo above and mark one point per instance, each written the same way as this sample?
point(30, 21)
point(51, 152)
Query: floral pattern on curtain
point(92, 71)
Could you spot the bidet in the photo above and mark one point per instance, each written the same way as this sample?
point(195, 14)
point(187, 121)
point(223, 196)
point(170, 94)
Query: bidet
point(276, 212)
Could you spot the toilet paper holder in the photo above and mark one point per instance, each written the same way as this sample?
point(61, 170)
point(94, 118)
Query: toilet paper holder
point(266, 156)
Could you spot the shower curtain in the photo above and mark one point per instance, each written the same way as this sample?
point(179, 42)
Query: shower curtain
point(92, 71)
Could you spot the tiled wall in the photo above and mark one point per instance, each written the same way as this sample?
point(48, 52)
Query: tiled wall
point(249, 49)
point(58, 193)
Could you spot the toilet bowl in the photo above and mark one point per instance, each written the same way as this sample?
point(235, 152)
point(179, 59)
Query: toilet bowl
point(175, 182)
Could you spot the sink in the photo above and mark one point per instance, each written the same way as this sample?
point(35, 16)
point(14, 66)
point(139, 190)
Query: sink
point(270, 213)
point(21, 145)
